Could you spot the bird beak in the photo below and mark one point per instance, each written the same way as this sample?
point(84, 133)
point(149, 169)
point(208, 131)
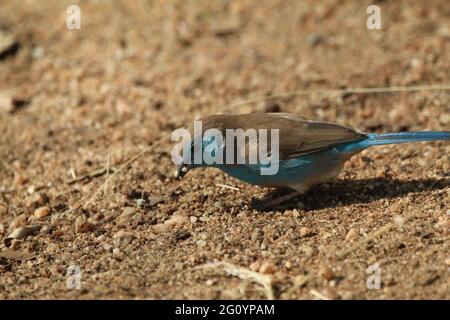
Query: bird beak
point(182, 169)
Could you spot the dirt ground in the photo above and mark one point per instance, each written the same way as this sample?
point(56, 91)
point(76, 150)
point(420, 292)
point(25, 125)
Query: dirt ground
point(76, 105)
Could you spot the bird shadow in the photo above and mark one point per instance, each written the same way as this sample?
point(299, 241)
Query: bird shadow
point(347, 192)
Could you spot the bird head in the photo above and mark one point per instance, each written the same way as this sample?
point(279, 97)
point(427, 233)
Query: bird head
point(187, 162)
point(188, 149)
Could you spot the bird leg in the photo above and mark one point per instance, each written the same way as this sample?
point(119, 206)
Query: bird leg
point(268, 203)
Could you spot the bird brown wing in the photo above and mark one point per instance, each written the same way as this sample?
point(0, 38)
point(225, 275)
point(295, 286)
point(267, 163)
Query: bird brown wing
point(297, 136)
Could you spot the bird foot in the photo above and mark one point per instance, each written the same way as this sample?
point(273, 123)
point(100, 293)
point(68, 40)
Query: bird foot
point(269, 203)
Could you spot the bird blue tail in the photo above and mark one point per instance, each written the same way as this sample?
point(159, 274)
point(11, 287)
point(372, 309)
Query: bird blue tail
point(376, 139)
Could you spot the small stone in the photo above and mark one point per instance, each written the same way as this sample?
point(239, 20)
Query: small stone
point(314, 39)
point(8, 44)
point(347, 295)
point(20, 180)
point(6, 103)
point(309, 251)
point(209, 282)
point(45, 230)
point(82, 226)
point(118, 255)
point(22, 232)
point(17, 222)
point(38, 53)
point(288, 265)
point(108, 247)
point(42, 212)
point(300, 280)
point(399, 221)
point(128, 211)
point(304, 231)
point(352, 235)
point(267, 268)
point(16, 244)
point(138, 218)
point(161, 228)
point(255, 266)
point(38, 200)
point(178, 266)
point(59, 233)
point(447, 261)
point(140, 202)
point(201, 243)
point(327, 274)
point(153, 200)
point(31, 189)
point(255, 234)
point(193, 219)
point(123, 238)
point(330, 293)
point(177, 220)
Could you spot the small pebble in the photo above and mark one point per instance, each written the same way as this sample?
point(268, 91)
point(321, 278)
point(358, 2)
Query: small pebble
point(267, 268)
point(82, 226)
point(127, 211)
point(58, 233)
point(309, 251)
point(42, 212)
point(20, 180)
point(255, 234)
point(304, 231)
point(123, 238)
point(177, 220)
point(16, 244)
point(255, 266)
point(118, 255)
point(327, 273)
point(288, 265)
point(201, 243)
point(313, 39)
point(193, 219)
point(352, 235)
point(399, 221)
point(300, 280)
point(153, 200)
point(330, 293)
point(161, 228)
point(23, 232)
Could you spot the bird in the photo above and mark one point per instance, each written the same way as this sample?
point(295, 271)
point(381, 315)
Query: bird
point(309, 152)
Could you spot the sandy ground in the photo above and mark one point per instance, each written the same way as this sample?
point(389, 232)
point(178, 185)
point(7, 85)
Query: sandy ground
point(75, 105)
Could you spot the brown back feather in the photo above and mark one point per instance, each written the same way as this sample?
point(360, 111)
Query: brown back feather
point(298, 136)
